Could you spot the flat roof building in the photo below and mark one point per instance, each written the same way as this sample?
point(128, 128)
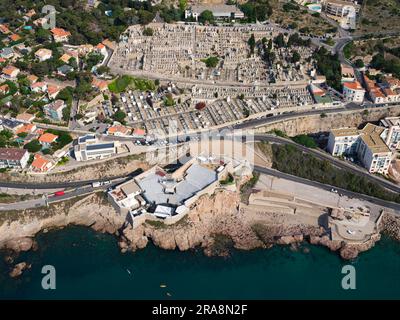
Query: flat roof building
point(95, 151)
point(220, 11)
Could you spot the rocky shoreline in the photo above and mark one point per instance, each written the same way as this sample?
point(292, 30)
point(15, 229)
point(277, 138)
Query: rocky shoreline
point(214, 224)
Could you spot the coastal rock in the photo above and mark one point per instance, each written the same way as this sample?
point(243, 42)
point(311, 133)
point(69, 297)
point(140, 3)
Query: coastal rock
point(19, 269)
point(20, 244)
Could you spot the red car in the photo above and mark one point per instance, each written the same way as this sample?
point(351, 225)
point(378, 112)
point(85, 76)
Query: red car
point(59, 193)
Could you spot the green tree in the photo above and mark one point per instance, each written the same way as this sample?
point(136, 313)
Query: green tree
point(119, 116)
point(33, 146)
point(252, 43)
point(206, 16)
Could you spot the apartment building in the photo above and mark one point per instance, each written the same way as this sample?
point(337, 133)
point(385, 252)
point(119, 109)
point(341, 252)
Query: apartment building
point(343, 141)
point(367, 144)
point(13, 158)
point(373, 151)
point(353, 92)
point(343, 11)
point(391, 135)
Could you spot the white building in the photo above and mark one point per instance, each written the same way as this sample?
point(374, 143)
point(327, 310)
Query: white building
point(343, 141)
point(343, 11)
point(353, 92)
point(87, 150)
point(373, 151)
point(367, 144)
point(125, 198)
point(391, 134)
point(220, 11)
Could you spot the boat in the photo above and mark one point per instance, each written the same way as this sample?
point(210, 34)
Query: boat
point(163, 285)
point(127, 270)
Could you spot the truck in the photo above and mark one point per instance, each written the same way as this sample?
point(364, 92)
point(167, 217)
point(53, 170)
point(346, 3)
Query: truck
point(97, 184)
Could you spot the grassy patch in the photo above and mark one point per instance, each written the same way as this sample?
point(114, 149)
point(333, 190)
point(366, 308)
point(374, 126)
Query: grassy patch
point(305, 140)
point(245, 189)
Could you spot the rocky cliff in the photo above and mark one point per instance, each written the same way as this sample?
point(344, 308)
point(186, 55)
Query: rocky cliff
point(215, 224)
point(316, 123)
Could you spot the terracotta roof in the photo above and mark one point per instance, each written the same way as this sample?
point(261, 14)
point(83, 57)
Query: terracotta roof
point(47, 137)
point(353, 85)
point(2, 60)
point(65, 57)
point(40, 163)
point(28, 128)
point(52, 89)
point(59, 32)
point(118, 128)
point(38, 85)
point(4, 88)
point(32, 78)
point(9, 70)
point(101, 84)
point(100, 46)
point(15, 37)
point(139, 132)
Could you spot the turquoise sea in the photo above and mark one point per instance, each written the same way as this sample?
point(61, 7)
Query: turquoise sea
point(90, 266)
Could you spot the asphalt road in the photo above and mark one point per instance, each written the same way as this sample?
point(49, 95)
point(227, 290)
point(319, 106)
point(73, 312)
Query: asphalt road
point(279, 174)
point(64, 185)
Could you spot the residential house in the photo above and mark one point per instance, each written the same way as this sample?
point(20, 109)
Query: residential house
point(46, 139)
point(43, 54)
point(4, 29)
point(40, 22)
point(10, 72)
point(10, 124)
point(54, 110)
point(4, 89)
point(41, 163)
point(65, 58)
point(382, 93)
point(39, 87)
point(64, 70)
point(60, 35)
point(119, 130)
point(13, 158)
point(7, 53)
point(101, 48)
point(14, 37)
point(26, 128)
point(353, 92)
point(100, 85)
point(25, 117)
point(53, 91)
point(347, 73)
point(32, 79)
